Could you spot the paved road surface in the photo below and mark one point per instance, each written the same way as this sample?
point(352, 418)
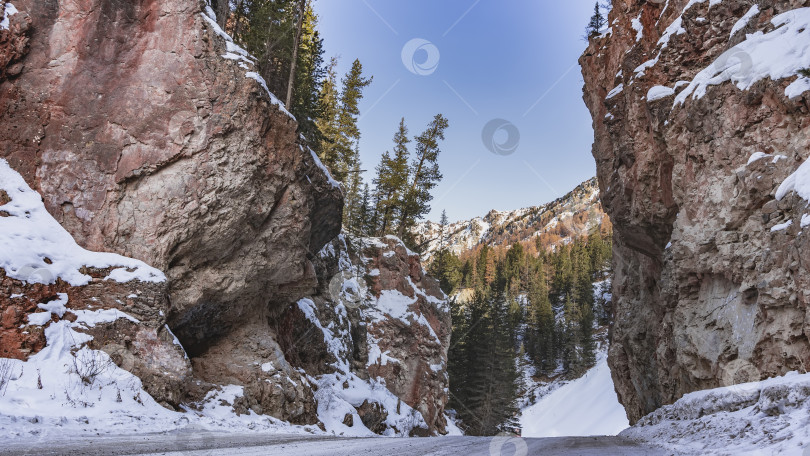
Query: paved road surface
point(203, 443)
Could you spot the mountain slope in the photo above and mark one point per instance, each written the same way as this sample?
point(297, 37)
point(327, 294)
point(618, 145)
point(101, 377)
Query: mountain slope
point(585, 406)
point(555, 223)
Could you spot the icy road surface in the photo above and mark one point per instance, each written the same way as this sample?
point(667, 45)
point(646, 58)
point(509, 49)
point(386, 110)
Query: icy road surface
point(222, 444)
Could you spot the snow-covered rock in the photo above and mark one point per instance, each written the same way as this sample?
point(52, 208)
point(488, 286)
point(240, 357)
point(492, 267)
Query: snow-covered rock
point(758, 418)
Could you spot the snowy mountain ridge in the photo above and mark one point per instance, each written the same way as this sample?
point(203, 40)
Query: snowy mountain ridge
point(557, 223)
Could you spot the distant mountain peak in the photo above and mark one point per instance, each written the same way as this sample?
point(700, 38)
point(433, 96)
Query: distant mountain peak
point(557, 223)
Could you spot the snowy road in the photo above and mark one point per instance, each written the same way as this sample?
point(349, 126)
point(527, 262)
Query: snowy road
point(222, 444)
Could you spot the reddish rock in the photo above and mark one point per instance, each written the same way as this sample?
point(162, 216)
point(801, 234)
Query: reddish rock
point(146, 348)
point(144, 141)
point(727, 292)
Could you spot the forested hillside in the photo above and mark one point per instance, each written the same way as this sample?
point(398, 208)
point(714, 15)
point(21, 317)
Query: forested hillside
point(537, 304)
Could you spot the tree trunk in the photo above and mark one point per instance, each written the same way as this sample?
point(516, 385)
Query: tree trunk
point(301, 11)
point(222, 10)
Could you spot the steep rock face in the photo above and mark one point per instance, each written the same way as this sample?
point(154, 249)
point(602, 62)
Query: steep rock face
point(144, 140)
point(416, 342)
point(375, 338)
point(710, 283)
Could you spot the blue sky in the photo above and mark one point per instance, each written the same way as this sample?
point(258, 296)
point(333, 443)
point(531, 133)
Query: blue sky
point(514, 60)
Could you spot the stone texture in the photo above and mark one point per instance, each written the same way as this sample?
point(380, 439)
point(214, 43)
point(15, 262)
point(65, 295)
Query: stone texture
point(727, 301)
point(412, 379)
point(145, 142)
point(419, 378)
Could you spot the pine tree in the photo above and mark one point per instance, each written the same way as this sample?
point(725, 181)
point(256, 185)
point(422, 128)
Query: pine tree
point(354, 195)
point(442, 229)
point(597, 21)
point(309, 76)
point(485, 385)
point(542, 323)
point(327, 121)
point(424, 175)
point(346, 144)
point(363, 213)
point(391, 181)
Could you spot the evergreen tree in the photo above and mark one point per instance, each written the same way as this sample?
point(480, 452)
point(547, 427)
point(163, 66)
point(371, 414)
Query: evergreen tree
point(597, 21)
point(424, 175)
point(391, 181)
point(543, 347)
point(354, 195)
point(442, 229)
point(484, 393)
point(309, 76)
point(362, 219)
point(345, 147)
point(327, 121)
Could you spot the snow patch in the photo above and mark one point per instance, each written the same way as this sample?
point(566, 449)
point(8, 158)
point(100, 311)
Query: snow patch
point(778, 54)
point(757, 156)
point(638, 27)
point(585, 406)
point(616, 90)
point(35, 248)
point(659, 92)
point(798, 182)
point(322, 167)
point(739, 25)
point(782, 226)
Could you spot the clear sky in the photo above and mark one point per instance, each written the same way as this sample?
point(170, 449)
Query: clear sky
point(474, 61)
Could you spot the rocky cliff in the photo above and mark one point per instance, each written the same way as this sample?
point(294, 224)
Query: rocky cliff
point(700, 112)
point(148, 133)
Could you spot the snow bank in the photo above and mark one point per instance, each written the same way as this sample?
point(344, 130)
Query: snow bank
point(585, 406)
point(67, 389)
point(778, 54)
point(35, 248)
point(798, 182)
point(758, 418)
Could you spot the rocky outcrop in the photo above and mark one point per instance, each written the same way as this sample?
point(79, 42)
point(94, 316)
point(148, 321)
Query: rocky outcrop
point(410, 352)
point(694, 133)
point(375, 338)
point(147, 134)
point(144, 140)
